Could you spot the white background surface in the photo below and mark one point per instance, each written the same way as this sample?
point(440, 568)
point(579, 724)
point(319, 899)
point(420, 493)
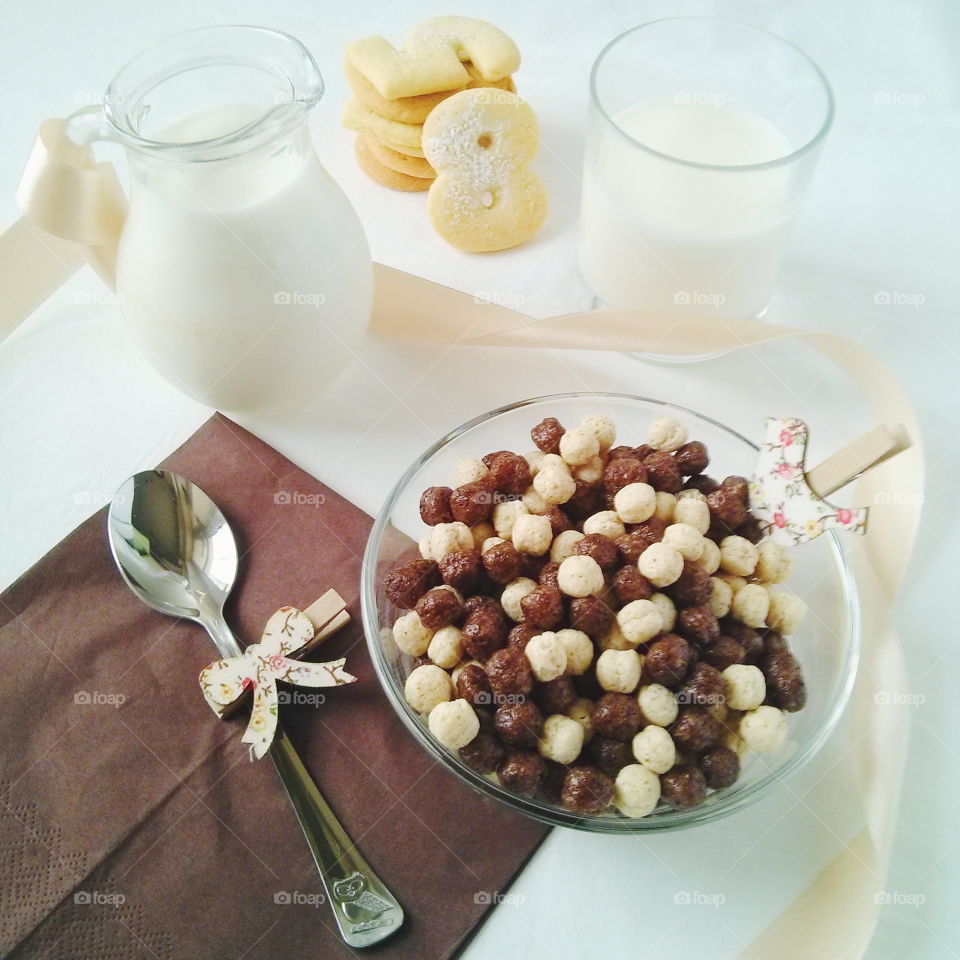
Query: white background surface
point(872, 258)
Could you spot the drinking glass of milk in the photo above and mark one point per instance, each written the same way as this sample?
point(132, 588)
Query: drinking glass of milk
point(703, 135)
point(242, 270)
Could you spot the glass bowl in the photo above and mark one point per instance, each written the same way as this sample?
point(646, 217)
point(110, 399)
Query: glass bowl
point(827, 645)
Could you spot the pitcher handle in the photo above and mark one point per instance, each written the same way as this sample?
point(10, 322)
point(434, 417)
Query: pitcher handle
point(73, 210)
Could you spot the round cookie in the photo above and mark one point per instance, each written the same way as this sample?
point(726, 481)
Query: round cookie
point(358, 117)
point(384, 175)
point(401, 148)
point(400, 162)
point(484, 197)
point(412, 109)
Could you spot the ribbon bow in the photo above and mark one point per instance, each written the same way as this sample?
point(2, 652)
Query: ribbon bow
point(288, 632)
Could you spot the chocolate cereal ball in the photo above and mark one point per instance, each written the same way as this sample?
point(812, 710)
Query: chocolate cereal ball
point(521, 634)
point(698, 625)
point(555, 696)
point(786, 688)
point(694, 730)
point(592, 616)
point(616, 716)
point(692, 458)
point(586, 790)
point(509, 673)
point(473, 502)
point(704, 687)
point(502, 562)
point(435, 506)
point(601, 548)
point(611, 756)
point(509, 473)
point(546, 435)
point(484, 631)
point(473, 685)
point(754, 646)
point(522, 772)
point(668, 660)
point(519, 724)
point(543, 608)
point(463, 570)
point(663, 472)
point(725, 652)
point(683, 787)
point(548, 575)
point(720, 767)
point(439, 607)
point(618, 473)
point(406, 584)
point(630, 584)
point(484, 753)
point(727, 509)
point(693, 587)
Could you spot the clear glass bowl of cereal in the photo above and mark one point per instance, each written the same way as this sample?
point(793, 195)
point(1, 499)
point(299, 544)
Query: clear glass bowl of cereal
point(618, 687)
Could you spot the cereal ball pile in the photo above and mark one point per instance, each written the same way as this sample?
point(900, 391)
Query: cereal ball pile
point(597, 624)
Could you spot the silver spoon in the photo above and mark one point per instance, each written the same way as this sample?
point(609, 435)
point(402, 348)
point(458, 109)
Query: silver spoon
point(177, 553)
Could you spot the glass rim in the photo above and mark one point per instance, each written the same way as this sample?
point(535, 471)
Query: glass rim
point(796, 154)
point(304, 94)
point(537, 809)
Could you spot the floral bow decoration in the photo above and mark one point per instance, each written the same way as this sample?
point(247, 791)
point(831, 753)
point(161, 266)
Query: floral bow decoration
point(780, 496)
point(289, 632)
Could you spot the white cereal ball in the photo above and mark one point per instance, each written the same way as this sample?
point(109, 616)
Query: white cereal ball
point(579, 649)
point(481, 531)
point(606, 522)
point(667, 434)
point(453, 723)
point(735, 583)
point(554, 485)
point(534, 460)
point(553, 461)
point(738, 556)
point(580, 576)
point(619, 670)
point(446, 647)
point(661, 564)
point(532, 534)
point(657, 704)
point(691, 494)
point(562, 738)
point(534, 502)
point(468, 470)
point(426, 548)
point(686, 539)
point(764, 729)
point(449, 537)
point(786, 613)
point(614, 639)
point(721, 596)
point(603, 428)
point(666, 506)
point(426, 687)
point(745, 686)
point(668, 610)
point(636, 791)
point(411, 636)
point(639, 621)
point(563, 544)
point(589, 472)
point(581, 711)
point(694, 512)
point(578, 446)
point(505, 515)
point(547, 656)
point(773, 562)
point(654, 748)
point(490, 542)
point(513, 593)
point(710, 558)
point(750, 605)
point(635, 502)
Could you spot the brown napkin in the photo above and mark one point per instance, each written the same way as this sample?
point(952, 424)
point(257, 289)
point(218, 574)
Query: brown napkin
point(133, 824)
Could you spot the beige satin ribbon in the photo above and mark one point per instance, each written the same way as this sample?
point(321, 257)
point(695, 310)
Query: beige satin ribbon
point(68, 199)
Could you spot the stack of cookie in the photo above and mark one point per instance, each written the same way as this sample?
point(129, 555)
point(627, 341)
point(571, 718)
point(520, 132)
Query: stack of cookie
point(395, 91)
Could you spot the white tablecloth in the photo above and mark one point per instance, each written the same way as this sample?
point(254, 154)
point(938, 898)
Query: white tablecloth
point(871, 258)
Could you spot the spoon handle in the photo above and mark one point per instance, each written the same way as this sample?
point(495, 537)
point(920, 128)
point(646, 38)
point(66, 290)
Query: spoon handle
point(365, 910)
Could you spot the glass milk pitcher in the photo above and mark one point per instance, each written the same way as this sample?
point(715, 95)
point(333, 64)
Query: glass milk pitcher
point(242, 270)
